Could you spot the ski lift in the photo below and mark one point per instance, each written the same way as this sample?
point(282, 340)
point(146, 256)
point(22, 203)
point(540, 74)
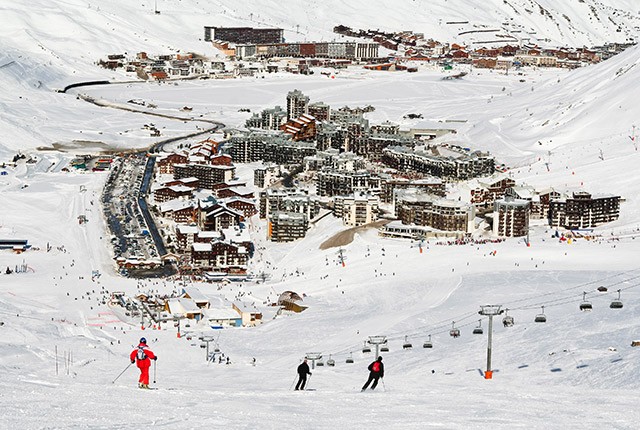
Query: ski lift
point(507, 321)
point(320, 362)
point(427, 343)
point(217, 350)
point(187, 325)
point(585, 305)
point(478, 330)
point(350, 358)
point(203, 345)
point(331, 362)
point(384, 347)
point(602, 289)
point(617, 303)
point(454, 332)
point(407, 344)
point(366, 348)
point(541, 318)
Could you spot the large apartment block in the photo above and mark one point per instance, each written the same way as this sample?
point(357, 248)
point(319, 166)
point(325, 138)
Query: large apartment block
point(444, 162)
point(415, 207)
point(583, 210)
point(340, 183)
point(244, 34)
point(208, 175)
point(274, 200)
point(287, 226)
point(511, 217)
point(357, 209)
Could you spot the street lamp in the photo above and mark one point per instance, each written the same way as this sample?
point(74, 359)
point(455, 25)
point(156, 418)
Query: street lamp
point(490, 311)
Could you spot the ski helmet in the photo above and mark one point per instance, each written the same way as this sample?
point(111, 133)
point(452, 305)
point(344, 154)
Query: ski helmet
point(143, 340)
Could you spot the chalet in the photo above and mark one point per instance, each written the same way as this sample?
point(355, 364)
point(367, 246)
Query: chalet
point(183, 307)
point(220, 256)
point(242, 192)
point(291, 301)
point(181, 211)
point(167, 193)
point(165, 164)
point(245, 206)
point(219, 317)
point(194, 294)
point(217, 216)
point(250, 315)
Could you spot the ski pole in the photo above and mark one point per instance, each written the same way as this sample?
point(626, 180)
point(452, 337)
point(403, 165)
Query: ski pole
point(154, 371)
point(292, 382)
point(117, 377)
point(308, 382)
point(383, 386)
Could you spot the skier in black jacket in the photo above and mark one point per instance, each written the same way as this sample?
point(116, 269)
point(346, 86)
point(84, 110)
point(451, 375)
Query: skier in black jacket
point(303, 371)
point(376, 371)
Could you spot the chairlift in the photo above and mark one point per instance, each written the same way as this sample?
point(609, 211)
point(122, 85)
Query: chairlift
point(217, 350)
point(541, 318)
point(384, 347)
point(320, 362)
point(454, 332)
point(602, 289)
point(507, 321)
point(331, 362)
point(478, 330)
point(617, 303)
point(187, 325)
point(428, 343)
point(366, 348)
point(350, 358)
point(203, 345)
point(585, 305)
point(407, 344)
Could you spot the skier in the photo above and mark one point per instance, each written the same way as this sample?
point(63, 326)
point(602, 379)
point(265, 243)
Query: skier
point(376, 371)
point(143, 356)
point(303, 371)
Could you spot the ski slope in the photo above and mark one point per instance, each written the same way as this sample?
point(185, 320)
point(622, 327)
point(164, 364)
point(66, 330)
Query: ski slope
point(576, 371)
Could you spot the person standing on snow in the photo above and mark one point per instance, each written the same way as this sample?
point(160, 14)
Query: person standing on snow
point(142, 356)
point(376, 371)
point(303, 371)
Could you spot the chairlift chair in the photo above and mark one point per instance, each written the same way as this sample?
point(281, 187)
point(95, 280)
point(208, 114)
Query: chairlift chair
point(406, 344)
point(454, 332)
point(478, 330)
point(617, 303)
point(507, 321)
point(384, 347)
point(217, 350)
point(585, 305)
point(602, 289)
point(331, 362)
point(366, 348)
point(320, 363)
point(203, 345)
point(541, 318)
point(350, 359)
point(428, 343)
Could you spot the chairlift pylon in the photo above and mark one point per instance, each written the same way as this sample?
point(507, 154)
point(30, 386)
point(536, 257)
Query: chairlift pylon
point(428, 343)
point(617, 303)
point(478, 330)
point(585, 305)
point(407, 344)
point(541, 318)
point(454, 332)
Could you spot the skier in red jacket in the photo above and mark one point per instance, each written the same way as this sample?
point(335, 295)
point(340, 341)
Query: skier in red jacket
point(142, 356)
